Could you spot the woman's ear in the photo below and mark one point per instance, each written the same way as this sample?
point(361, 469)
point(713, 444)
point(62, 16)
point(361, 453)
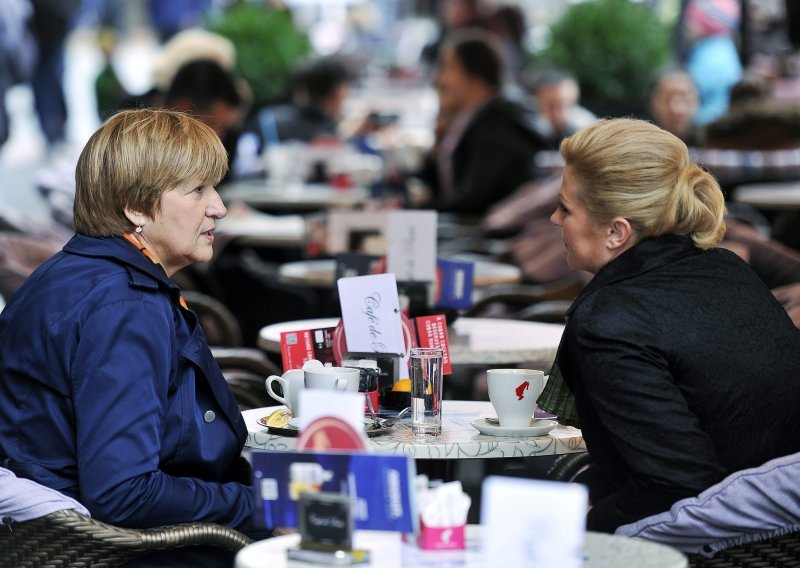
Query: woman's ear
point(620, 234)
point(134, 217)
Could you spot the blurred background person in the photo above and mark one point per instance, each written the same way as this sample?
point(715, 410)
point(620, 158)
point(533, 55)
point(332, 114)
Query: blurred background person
point(487, 147)
point(713, 59)
point(674, 103)
point(453, 15)
point(558, 114)
point(319, 89)
point(52, 21)
point(18, 52)
point(213, 95)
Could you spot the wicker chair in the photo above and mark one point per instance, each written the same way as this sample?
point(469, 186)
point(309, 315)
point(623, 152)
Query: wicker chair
point(780, 552)
point(67, 538)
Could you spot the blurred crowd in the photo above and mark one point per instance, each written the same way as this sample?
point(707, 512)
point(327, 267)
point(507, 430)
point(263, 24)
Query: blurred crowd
point(501, 112)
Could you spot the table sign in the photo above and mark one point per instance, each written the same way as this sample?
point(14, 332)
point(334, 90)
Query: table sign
point(319, 403)
point(356, 231)
point(379, 486)
point(432, 332)
point(371, 315)
point(454, 284)
point(411, 245)
point(297, 347)
point(533, 523)
point(326, 530)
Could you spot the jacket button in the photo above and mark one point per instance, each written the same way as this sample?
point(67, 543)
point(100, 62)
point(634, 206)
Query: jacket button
point(209, 416)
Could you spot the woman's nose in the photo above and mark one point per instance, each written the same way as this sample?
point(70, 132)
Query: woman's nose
point(216, 208)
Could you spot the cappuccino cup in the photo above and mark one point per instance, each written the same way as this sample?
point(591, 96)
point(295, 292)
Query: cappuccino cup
point(291, 383)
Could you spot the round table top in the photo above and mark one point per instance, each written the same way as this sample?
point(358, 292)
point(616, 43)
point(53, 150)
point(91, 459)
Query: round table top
point(459, 439)
point(322, 273)
point(299, 197)
point(774, 195)
point(600, 550)
point(472, 341)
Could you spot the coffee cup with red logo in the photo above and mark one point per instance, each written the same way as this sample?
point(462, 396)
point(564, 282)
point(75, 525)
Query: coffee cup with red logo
point(513, 393)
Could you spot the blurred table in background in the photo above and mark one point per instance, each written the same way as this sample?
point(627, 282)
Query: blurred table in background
point(252, 227)
point(322, 273)
point(774, 195)
point(295, 197)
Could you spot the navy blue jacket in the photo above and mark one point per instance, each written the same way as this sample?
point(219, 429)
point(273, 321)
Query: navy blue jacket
point(685, 369)
point(109, 392)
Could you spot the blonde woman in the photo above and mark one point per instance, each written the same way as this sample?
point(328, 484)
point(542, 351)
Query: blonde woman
point(677, 362)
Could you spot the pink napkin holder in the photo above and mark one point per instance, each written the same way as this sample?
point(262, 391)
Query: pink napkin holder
point(441, 538)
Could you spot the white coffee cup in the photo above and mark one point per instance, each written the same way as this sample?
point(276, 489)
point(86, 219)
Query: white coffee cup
point(292, 382)
point(513, 393)
point(333, 378)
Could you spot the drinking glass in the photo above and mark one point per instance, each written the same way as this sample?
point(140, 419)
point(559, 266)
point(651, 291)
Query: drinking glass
point(426, 391)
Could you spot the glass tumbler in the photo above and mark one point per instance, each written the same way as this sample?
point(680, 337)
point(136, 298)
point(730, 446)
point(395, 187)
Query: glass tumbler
point(426, 392)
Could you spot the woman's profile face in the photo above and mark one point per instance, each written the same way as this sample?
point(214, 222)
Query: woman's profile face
point(182, 232)
point(584, 240)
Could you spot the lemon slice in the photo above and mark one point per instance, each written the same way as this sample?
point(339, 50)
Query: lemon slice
point(278, 419)
point(402, 385)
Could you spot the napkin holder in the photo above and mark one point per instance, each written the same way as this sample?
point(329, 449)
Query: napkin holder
point(441, 538)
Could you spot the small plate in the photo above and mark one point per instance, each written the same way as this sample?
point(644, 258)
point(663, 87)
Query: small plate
point(292, 431)
point(539, 414)
point(536, 428)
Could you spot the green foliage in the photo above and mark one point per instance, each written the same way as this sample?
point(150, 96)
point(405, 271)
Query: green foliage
point(268, 47)
point(612, 46)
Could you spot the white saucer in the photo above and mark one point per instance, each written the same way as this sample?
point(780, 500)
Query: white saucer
point(536, 428)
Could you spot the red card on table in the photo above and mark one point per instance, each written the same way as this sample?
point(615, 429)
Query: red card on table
point(432, 332)
point(297, 347)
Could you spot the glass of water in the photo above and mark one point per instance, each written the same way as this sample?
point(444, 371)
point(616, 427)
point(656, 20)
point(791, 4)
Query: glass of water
point(426, 391)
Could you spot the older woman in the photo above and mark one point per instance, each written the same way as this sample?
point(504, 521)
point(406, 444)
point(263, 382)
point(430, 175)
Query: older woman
point(676, 361)
point(108, 390)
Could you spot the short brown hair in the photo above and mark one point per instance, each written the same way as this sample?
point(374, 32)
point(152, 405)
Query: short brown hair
point(133, 158)
point(633, 169)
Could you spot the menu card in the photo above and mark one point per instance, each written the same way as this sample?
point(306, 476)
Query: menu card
point(529, 522)
point(411, 245)
point(371, 315)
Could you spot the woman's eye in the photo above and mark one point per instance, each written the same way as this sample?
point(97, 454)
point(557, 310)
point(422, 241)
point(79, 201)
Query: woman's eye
point(562, 208)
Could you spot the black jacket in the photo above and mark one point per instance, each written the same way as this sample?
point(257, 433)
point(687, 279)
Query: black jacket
point(685, 369)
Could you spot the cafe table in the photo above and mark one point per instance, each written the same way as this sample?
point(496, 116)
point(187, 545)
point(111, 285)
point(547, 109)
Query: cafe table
point(774, 195)
point(251, 227)
point(472, 341)
point(459, 439)
point(321, 273)
point(387, 550)
point(299, 196)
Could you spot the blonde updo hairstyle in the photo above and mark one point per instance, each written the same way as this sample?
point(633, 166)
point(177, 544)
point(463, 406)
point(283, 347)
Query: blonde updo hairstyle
point(133, 158)
point(633, 169)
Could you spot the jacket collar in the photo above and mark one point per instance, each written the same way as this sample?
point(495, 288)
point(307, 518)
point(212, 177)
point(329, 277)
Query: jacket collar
point(648, 255)
point(143, 273)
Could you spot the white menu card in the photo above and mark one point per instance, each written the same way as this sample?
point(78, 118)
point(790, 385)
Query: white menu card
point(371, 315)
point(411, 245)
point(529, 522)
